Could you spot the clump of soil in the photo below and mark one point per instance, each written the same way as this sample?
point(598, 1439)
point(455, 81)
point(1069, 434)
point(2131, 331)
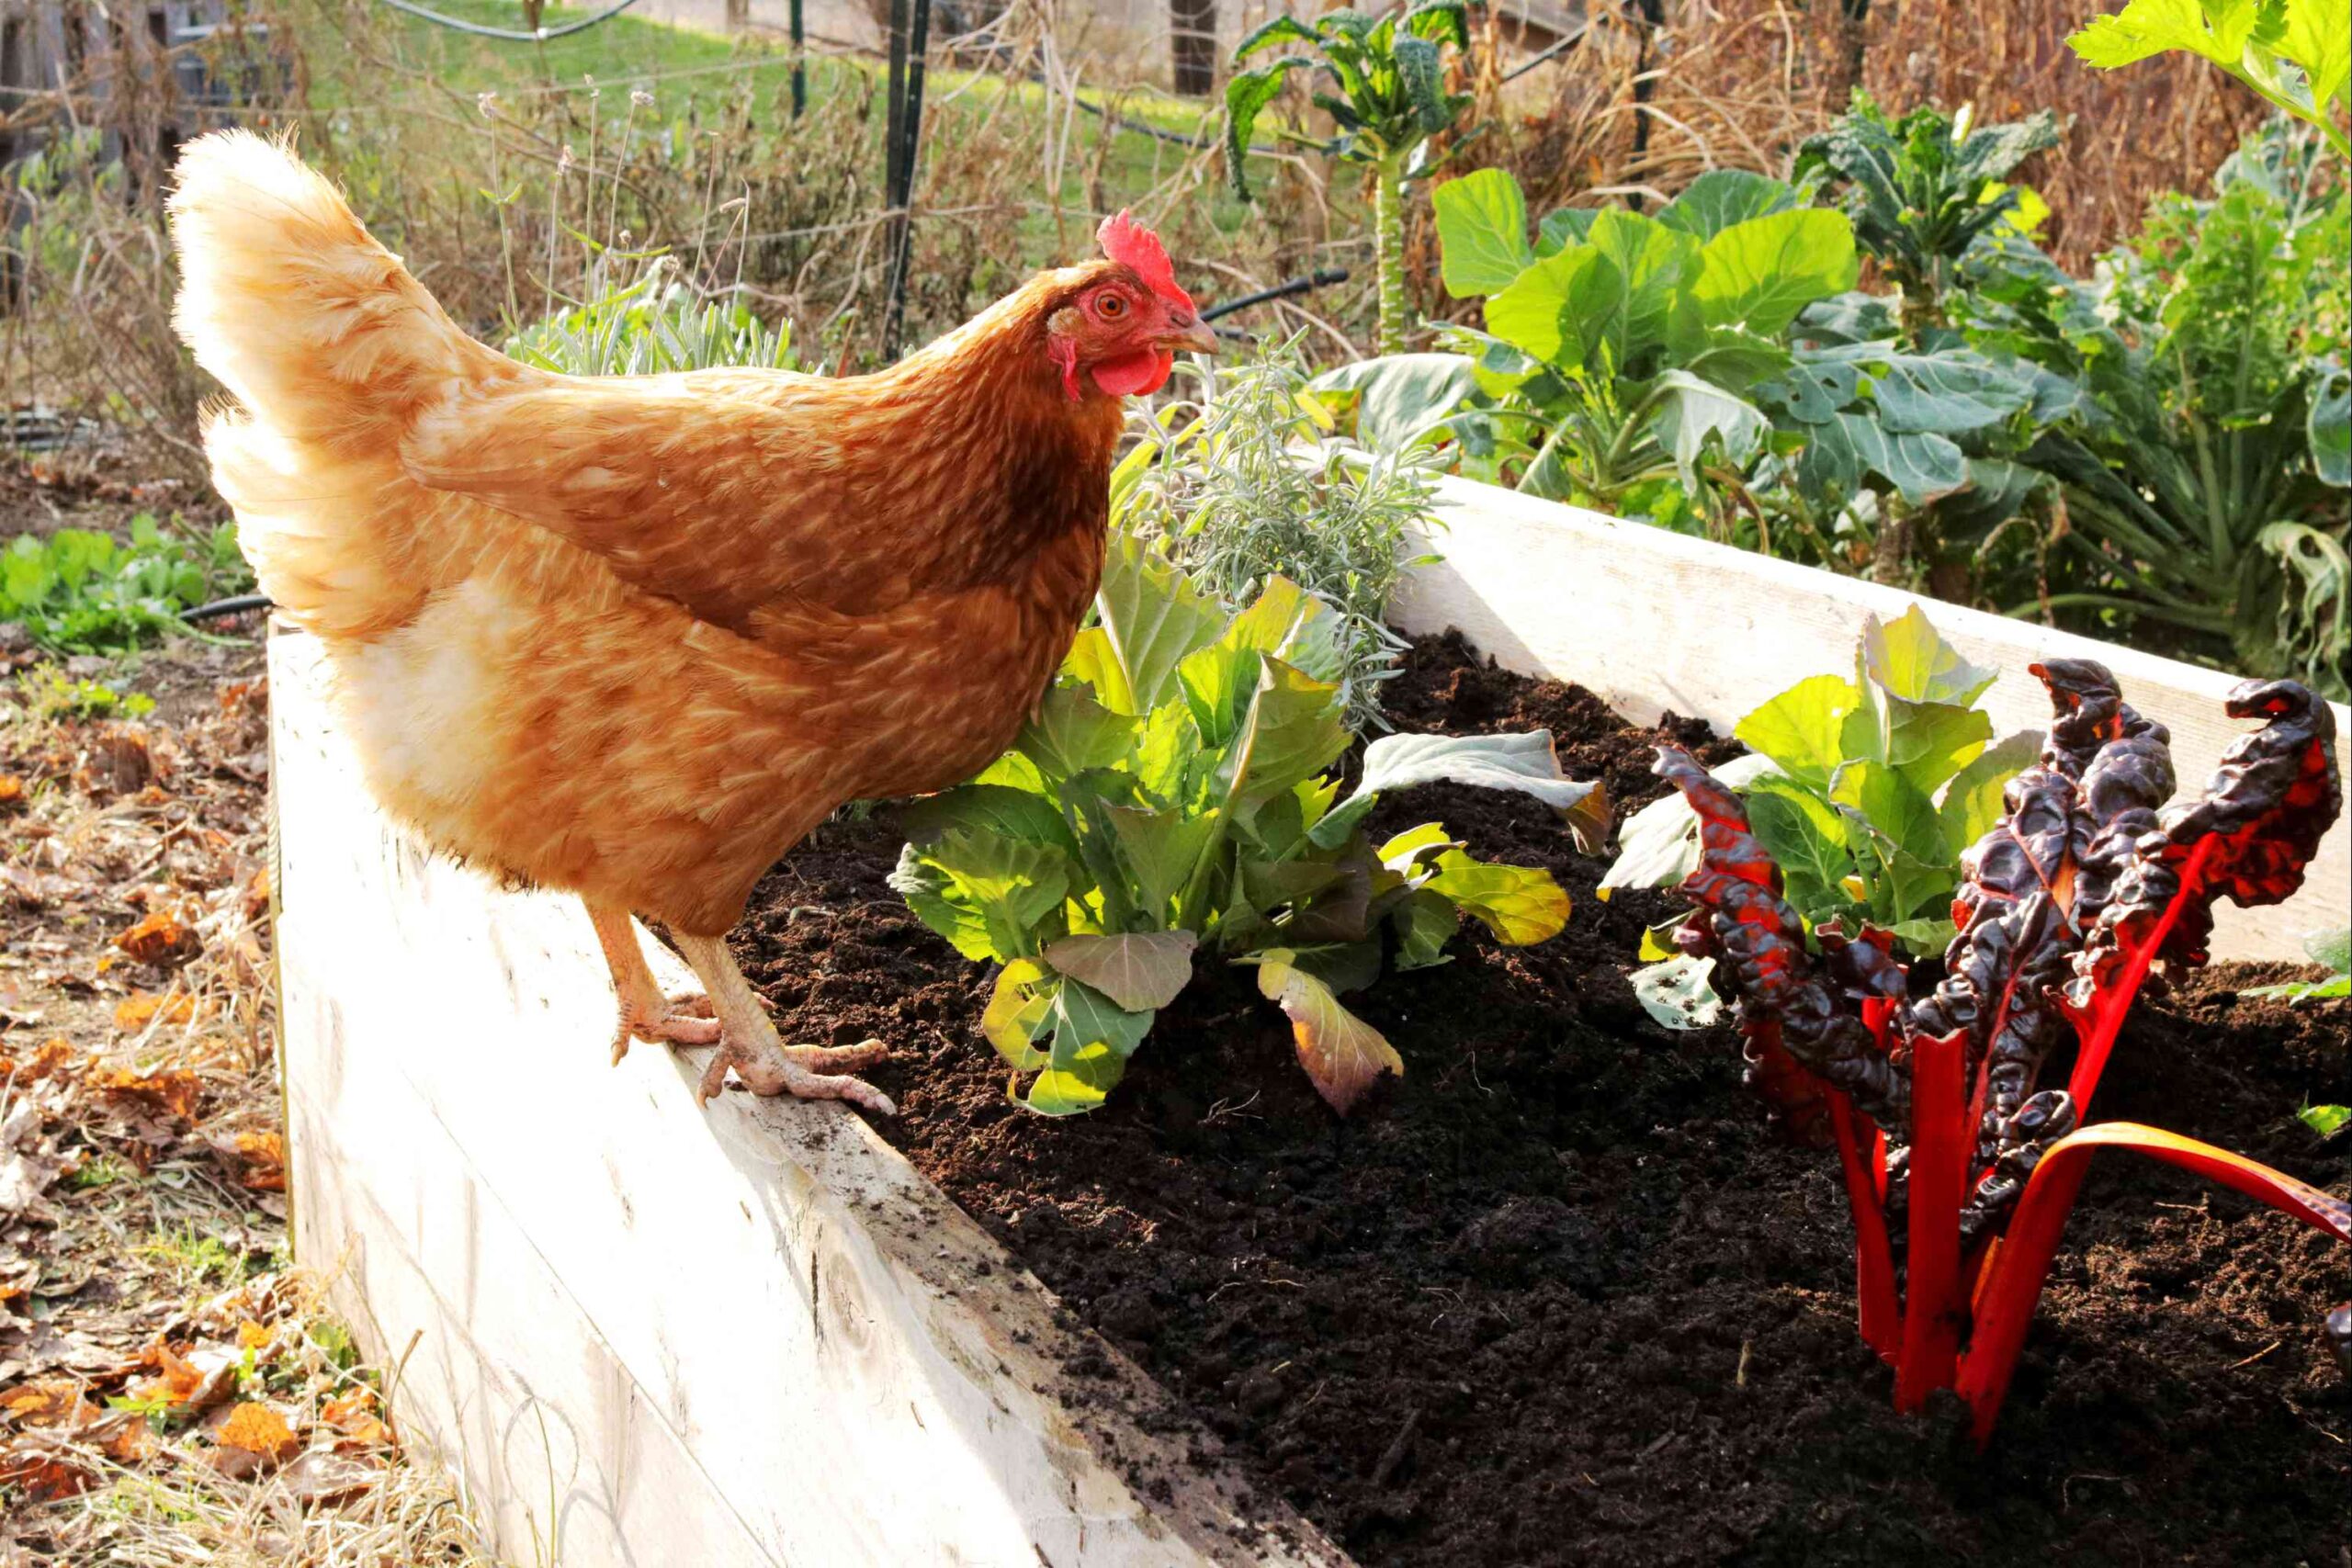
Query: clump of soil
point(1557, 1296)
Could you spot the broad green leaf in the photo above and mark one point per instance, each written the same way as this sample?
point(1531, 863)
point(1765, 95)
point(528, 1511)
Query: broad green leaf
point(1567, 310)
point(1400, 398)
point(1138, 971)
point(1895, 807)
point(1342, 1054)
point(1760, 273)
point(1280, 29)
point(1092, 1040)
point(1692, 412)
point(1656, 264)
point(1813, 862)
point(1017, 1010)
point(1844, 449)
point(1013, 813)
point(1293, 732)
point(2326, 1120)
point(1152, 616)
point(1926, 742)
point(1015, 888)
point(1159, 850)
point(1482, 232)
point(1971, 801)
point(1424, 923)
point(1165, 753)
point(1071, 733)
point(1678, 992)
point(1720, 197)
point(1925, 936)
point(2317, 36)
point(1658, 845)
point(925, 887)
point(1802, 729)
point(1525, 762)
point(2218, 30)
point(2328, 428)
point(1404, 851)
point(1948, 392)
point(1567, 226)
point(1907, 657)
point(1521, 905)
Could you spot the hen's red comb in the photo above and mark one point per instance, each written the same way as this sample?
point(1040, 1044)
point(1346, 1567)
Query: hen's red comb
point(1125, 240)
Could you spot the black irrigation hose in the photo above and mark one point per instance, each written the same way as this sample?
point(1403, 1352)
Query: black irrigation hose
point(1328, 275)
point(221, 609)
point(512, 35)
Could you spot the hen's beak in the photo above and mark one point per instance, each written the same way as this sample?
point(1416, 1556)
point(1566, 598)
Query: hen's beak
point(1187, 330)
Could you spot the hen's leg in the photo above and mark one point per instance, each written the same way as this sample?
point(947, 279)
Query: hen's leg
point(646, 1013)
point(748, 1042)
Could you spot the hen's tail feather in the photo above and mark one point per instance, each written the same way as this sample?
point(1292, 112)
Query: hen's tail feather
point(333, 349)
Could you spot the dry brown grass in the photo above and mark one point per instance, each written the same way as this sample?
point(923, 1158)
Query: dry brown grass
point(172, 1391)
point(1740, 83)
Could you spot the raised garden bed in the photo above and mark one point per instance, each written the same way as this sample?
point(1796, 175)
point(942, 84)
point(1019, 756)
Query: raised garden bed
point(1557, 1296)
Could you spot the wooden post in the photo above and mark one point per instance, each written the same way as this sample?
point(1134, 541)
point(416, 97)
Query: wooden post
point(1192, 44)
point(738, 15)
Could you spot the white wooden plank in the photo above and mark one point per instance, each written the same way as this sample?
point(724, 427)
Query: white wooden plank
point(860, 1374)
point(1653, 621)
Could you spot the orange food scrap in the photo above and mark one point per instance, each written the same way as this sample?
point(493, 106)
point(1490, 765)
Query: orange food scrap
point(12, 793)
point(257, 1429)
point(251, 1336)
point(136, 1012)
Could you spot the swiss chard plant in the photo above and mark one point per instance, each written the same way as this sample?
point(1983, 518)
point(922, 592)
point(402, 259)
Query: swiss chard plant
point(1864, 788)
point(1174, 792)
point(1960, 1170)
point(1389, 72)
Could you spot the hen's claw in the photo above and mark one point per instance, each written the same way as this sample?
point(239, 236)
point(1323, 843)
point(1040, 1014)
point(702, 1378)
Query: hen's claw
point(804, 1072)
point(687, 1020)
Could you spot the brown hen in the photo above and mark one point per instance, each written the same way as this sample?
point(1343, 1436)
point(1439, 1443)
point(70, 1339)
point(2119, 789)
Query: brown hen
point(634, 636)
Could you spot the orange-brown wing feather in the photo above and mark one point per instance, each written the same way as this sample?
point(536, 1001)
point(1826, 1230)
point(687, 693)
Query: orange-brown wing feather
point(721, 491)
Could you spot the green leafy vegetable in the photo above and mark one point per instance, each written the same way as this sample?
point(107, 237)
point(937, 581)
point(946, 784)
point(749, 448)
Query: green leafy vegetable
point(1864, 789)
point(1172, 793)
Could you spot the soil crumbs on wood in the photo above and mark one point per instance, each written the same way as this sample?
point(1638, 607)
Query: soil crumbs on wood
point(1556, 1297)
point(171, 1391)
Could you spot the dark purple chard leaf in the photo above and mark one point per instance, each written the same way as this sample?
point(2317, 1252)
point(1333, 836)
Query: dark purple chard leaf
point(2274, 796)
point(1759, 939)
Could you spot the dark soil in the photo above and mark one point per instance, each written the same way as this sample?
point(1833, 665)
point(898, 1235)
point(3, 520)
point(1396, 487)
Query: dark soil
point(1558, 1298)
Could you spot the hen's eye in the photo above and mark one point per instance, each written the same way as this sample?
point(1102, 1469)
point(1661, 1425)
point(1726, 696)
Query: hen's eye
point(1110, 307)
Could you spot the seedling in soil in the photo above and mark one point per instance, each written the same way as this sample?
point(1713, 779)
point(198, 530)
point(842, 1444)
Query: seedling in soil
point(1172, 793)
point(1959, 1170)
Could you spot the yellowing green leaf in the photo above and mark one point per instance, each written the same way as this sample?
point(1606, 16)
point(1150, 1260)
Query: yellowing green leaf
point(1342, 1054)
point(1016, 1012)
point(1803, 729)
point(1521, 905)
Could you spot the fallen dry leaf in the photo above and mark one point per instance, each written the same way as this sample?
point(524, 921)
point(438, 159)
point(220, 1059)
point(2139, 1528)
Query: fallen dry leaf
point(251, 1336)
point(321, 1475)
point(197, 1381)
point(51, 1403)
point(50, 1059)
point(171, 1089)
point(353, 1415)
point(35, 890)
point(261, 1160)
point(161, 939)
point(43, 1465)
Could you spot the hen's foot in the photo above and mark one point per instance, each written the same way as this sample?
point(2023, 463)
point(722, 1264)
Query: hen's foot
point(687, 1019)
point(748, 1042)
point(804, 1071)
